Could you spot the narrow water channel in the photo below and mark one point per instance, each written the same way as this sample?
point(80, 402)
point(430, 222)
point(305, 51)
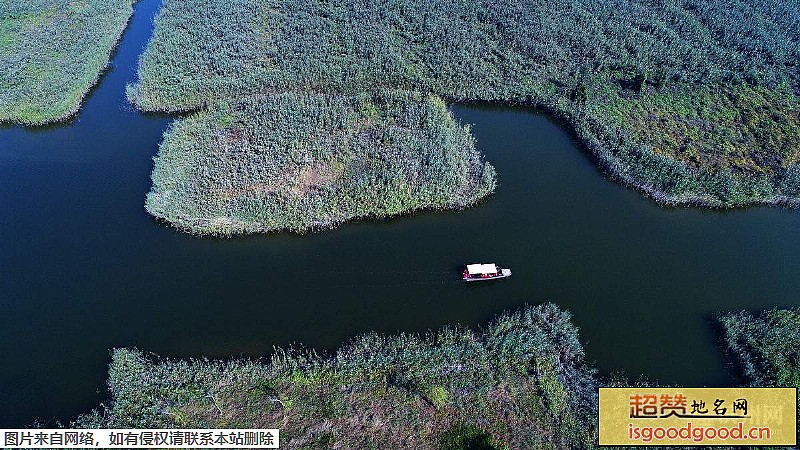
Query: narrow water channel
point(84, 269)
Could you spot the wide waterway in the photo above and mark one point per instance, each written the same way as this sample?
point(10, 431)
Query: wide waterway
point(84, 269)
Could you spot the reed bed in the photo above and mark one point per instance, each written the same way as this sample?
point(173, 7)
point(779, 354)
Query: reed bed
point(725, 146)
point(520, 382)
point(764, 347)
point(301, 162)
point(52, 52)
point(483, 50)
point(578, 60)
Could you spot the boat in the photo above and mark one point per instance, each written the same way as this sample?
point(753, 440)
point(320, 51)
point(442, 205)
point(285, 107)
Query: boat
point(484, 272)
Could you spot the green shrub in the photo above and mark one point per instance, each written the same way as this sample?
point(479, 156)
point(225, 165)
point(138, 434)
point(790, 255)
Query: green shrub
point(438, 395)
point(466, 438)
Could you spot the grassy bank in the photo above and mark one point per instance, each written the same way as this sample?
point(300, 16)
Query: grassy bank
point(310, 161)
point(52, 52)
point(520, 382)
point(690, 102)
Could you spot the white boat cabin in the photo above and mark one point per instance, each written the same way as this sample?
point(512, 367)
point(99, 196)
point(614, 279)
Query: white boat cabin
point(482, 269)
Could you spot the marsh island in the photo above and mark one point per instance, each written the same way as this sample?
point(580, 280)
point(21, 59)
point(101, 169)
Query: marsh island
point(308, 161)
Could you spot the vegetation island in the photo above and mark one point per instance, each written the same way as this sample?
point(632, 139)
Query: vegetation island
point(690, 102)
point(299, 161)
point(52, 52)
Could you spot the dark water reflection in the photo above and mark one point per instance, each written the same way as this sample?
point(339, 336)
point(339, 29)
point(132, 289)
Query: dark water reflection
point(83, 268)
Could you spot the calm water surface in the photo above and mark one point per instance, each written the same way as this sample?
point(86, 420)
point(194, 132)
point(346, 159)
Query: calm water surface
point(84, 269)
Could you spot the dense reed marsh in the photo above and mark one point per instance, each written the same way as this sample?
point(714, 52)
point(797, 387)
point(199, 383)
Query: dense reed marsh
point(51, 54)
point(690, 102)
point(520, 382)
point(308, 161)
